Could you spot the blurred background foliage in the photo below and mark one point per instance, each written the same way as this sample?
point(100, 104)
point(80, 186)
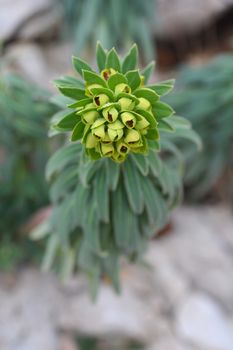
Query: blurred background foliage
point(205, 95)
point(114, 23)
point(25, 113)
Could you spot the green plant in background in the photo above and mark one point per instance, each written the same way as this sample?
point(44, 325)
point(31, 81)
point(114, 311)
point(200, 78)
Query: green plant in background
point(24, 150)
point(108, 204)
point(205, 95)
point(114, 23)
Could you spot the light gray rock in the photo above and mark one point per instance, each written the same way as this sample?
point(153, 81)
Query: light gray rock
point(26, 313)
point(155, 301)
point(15, 13)
point(169, 343)
point(199, 249)
point(39, 64)
point(201, 321)
point(183, 16)
point(41, 26)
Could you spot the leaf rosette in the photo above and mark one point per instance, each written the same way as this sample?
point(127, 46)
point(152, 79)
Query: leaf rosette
point(112, 112)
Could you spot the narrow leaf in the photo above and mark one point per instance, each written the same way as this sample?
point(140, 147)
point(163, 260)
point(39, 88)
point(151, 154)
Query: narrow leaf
point(134, 79)
point(100, 56)
point(78, 131)
point(113, 61)
point(80, 65)
point(131, 60)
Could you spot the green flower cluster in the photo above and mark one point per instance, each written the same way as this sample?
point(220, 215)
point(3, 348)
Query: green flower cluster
point(113, 112)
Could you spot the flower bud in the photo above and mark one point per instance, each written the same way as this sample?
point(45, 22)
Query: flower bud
point(144, 104)
point(106, 139)
point(92, 86)
point(90, 117)
point(117, 157)
point(122, 88)
point(132, 137)
point(126, 104)
point(98, 128)
point(115, 135)
point(106, 73)
point(110, 114)
point(90, 141)
point(100, 100)
point(142, 123)
point(128, 120)
point(142, 78)
point(107, 149)
point(122, 148)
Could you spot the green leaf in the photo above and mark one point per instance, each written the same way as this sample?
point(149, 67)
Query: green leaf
point(93, 78)
point(131, 60)
point(155, 163)
point(148, 94)
point(132, 183)
point(113, 61)
point(102, 195)
point(116, 79)
point(69, 121)
point(162, 110)
point(113, 174)
point(68, 81)
point(61, 158)
point(81, 103)
point(50, 253)
point(147, 72)
point(134, 79)
point(177, 122)
point(100, 56)
point(149, 117)
point(164, 87)
point(108, 92)
point(121, 214)
point(72, 92)
point(63, 183)
point(141, 161)
point(152, 134)
point(78, 131)
point(80, 65)
point(164, 125)
point(190, 135)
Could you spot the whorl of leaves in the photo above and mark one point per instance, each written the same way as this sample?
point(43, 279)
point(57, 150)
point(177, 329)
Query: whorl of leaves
point(102, 209)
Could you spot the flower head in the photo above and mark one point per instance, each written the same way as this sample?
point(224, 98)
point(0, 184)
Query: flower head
point(113, 113)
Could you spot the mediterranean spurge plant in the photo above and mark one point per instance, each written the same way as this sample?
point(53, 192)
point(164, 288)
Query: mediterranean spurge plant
point(114, 185)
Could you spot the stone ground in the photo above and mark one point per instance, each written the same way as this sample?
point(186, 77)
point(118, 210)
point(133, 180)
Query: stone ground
point(184, 301)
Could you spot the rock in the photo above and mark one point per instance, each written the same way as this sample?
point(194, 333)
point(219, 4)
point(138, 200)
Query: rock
point(67, 343)
point(26, 313)
point(39, 64)
point(201, 321)
point(15, 14)
point(199, 249)
point(195, 256)
point(130, 315)
point(169, 343)
point(42, 26)
point(179, 17)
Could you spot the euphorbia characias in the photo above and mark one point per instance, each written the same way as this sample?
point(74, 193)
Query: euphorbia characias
point(113, 186)
point(115, 112)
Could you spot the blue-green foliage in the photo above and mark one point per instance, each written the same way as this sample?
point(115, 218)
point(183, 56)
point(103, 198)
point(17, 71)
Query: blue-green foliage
point(205, 95)
point(103, 210)
point(24, 150)
point(114, 22)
